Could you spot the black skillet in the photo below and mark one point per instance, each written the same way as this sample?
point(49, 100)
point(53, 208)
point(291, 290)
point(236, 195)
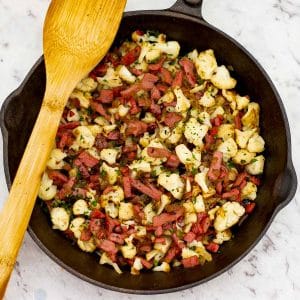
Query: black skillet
point(182, 22)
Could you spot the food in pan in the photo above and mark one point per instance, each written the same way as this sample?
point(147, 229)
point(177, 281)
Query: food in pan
point(156, 157)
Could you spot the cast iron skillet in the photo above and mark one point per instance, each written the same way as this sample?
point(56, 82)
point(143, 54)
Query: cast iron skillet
point(182, 22)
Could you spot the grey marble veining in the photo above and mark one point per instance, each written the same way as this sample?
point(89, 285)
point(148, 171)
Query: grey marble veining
point(270, 30)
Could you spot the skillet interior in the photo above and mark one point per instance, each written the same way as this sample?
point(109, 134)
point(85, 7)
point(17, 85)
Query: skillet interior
point(20, 111)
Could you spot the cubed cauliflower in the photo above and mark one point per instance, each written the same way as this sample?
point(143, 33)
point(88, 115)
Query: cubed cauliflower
point(221, 79)
point(199, 204)
point(126, 211)
point(228, 215)
point(140, 166)
point(187, 253)
point(109, 155)
point(212, 212)
point(149, 118)
point(172, 183)
point(106, 260)
point(112, 210)
point(170, 48)
point(129, 250)
point(73, 115)
point(164, 267)
point(163, 247)
point(164, 132)
point(250, 119)
point(249, 191)
point(47, 189)
point(110, 79)
point(76, 226)
point(190, 218)
point(222, 236)
point(60, 218)
point(242, 137)
point(219, 111)
point(228, 148)
point(123, 110)
point(164, 200)
point(87, 85)
point(201, 179)
point(87, 246)
point(256, 144)
point(226, 131)
point(204, 118)
point(136, 267)
point(55, 161)
point(140, 231)
point(207, 100)
point(200, 250)
point(80, 207)
point(149, 213)
point(152, 55)
point(243, 157)
point(256, 166)
point(168, 97)
point(115, 196)
point(125, 74)
point(95, 129)
point(183, 103)
point(176, 133)
point(194, 132)
point(84, 138)
point(83, 98)
point(188, 206)
point(186, 156)
point(206, 64)
point(111, 173)
point(242, 102)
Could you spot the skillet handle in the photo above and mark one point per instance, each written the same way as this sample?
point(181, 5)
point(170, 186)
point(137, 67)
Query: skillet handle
point(188, 7)
point(289, 182)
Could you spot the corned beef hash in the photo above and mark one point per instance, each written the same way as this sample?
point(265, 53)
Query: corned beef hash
point(156, 158)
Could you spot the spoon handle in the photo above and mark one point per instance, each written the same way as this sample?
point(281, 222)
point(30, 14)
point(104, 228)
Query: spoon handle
point(15, 215)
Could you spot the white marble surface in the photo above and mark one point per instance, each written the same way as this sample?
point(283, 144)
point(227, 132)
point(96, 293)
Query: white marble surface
point(270, 30)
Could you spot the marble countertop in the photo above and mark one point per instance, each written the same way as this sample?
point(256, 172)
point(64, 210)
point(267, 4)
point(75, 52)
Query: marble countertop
point(270, 30)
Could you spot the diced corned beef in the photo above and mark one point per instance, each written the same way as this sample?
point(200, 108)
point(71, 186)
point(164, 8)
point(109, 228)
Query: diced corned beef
point(97, 214)
point(219, 187)
point(159, 231)
point(151, 127)
point(171, 254)
point(177, 81)
point(171, 119)
point(165, 218)
point(138, 211)
point(66, 140)
point(147, 264)
point(87, 159)
point(158, 152)
point(95, 226)
point(149, 191)
point(240, 178)
point(66, 189)
point(100, 70)
point(162, 87)
point(111, 224)
point(238, 122)
point(85, 235)
point(100, 142)
point(98, 107)
point(136, 128)
point(166, 76)
point(114, 135)
point(205, 223)
point(255, 180)
point(131, 56)
point(57, 177)
point(127, 187)
point(217, 121)
point(189, 70)
point(145, 248)
point(70, 125)
point(160, 240)
point(116, 238)
point(180, 244)
point(134, 109)
point(79, 192)
point(155, 93)
point(107, 190)
point(190, 262)
point(106, 96)
point(157, 66)
point(189, 237)
point(148, 81)
point(82, 168)
point(144, 102)
point(108, 246)
point(215, 166)
point(131, 90)
point(173, 161)
point(155, 109)
point(136, 71)
point(243, 184)
point(129, 148)
point(212, 247)
point(234, 194)
point(249, 207)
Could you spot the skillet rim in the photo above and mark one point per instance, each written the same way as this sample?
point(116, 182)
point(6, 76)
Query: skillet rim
point(289, 171)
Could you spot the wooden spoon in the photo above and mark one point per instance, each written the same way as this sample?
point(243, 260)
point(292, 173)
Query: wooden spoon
point(77, 35)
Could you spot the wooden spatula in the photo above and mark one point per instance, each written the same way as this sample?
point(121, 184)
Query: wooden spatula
point(77, 35)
